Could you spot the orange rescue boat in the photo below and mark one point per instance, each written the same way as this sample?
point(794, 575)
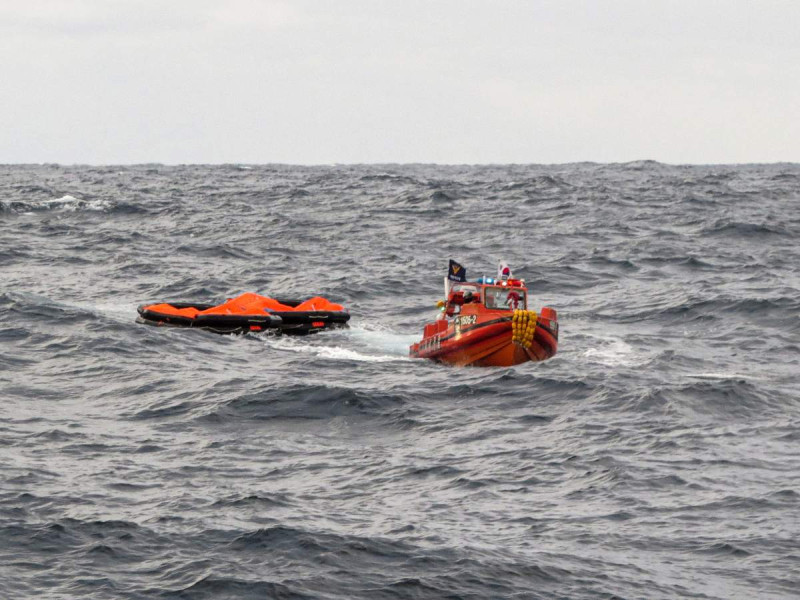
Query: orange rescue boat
point(487, 323)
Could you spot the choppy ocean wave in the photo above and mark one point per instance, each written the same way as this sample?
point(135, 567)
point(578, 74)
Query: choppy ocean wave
point(654, 457)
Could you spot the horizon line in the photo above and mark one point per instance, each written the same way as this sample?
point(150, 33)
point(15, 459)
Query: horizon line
point(394, 163)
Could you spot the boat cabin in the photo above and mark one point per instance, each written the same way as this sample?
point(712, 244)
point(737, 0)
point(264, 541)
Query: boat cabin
point(510, 295)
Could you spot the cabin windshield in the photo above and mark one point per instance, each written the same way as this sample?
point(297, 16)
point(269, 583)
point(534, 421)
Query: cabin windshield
point(465, 287)
point(505, 298)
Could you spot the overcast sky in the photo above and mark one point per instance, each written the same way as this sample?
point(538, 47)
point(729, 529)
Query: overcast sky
point(346, 81)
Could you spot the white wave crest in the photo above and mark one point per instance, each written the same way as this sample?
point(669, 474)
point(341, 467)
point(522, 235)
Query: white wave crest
point(66, 203)
point(320, 349)
point(615, 352)
point(377, 337)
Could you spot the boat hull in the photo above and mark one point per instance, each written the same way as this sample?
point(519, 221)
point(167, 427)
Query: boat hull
point(488, 342)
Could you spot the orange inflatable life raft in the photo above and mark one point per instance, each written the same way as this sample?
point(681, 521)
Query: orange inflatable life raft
point(249, 313)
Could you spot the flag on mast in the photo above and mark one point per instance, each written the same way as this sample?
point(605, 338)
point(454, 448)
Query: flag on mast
point(503, 271)
point(456, 272)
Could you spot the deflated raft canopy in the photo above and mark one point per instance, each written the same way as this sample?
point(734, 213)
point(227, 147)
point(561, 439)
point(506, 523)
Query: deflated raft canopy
point(249, 312)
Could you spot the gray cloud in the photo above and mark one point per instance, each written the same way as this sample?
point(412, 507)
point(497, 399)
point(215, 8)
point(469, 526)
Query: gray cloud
point(317, 82)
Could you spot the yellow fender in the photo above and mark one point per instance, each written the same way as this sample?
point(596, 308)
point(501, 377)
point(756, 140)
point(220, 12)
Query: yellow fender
point(523, 327)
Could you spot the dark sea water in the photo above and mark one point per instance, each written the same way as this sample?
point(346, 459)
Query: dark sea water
point(656, 456)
